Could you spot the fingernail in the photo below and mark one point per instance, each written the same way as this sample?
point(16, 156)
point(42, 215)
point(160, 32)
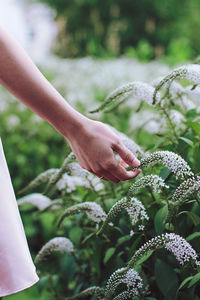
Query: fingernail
point(136, 162)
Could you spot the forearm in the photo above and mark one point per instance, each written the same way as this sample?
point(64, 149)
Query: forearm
point(21, 77)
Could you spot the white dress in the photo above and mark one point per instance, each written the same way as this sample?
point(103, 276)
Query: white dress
point(17, 270)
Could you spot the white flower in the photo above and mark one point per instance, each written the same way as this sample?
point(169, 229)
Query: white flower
point(36, 199)
point(141, 227)
point(136, 210)
point(193, 73)
point(154, 181)
point(171, 160)
point(92, 209)
point(181, 249)
point(132, 279)
point(135, 89)
point(69, 182)
point(129, 277)
point(86, 178)
point(190, 72)
point(13, 121)
point(177, 117)
point(60, 244)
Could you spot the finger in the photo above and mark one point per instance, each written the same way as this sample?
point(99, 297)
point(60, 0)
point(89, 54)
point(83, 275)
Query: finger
point(109, 177)
point(106, 177)
point(123, 163)
point(122, 174)
point(127, 156)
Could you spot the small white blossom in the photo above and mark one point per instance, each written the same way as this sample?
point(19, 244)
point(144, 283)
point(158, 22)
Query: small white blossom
point(13, 121)
point(141, 227)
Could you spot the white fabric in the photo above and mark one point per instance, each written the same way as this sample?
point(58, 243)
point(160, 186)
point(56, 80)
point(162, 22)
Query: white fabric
point(17, 271)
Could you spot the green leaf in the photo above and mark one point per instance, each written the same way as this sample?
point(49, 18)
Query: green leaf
point(184, 282)
point(195, 219)
point(187, 141)
point(108, 255)
point(88, 237)
point(143, 258)
point(193, 236)
point(195, 279)
point(123, 239)
point(160, 218)
point(75, 234)
point(166, 279)
point(164, 173)
point(195, 126)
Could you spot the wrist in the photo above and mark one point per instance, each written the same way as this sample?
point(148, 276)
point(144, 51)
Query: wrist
point(71, 123)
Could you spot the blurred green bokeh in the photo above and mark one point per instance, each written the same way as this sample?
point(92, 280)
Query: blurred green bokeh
point(110, 28)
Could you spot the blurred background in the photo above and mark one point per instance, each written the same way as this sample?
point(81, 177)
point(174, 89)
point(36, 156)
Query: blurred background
point(140, 29)
point(86, 48)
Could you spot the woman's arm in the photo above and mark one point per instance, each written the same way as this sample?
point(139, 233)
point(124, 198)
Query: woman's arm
point(91, 141)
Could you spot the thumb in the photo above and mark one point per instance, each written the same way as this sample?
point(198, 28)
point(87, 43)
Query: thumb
point(127, 156)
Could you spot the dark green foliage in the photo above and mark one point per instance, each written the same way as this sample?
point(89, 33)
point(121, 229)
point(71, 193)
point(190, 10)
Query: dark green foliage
point(142, 29)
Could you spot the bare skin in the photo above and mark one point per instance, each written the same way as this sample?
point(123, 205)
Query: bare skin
point(91, 141)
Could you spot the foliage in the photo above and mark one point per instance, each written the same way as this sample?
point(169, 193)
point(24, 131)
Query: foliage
point(151, 252)
point(142, 29)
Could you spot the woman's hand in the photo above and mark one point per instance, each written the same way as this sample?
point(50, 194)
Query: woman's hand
point(93, 145)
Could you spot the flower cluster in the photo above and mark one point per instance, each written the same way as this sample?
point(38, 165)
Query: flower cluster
point(114, 281)
point(40, 179)
point(56, 176)
point(150, 180)
point(183, 193)
point(93, 290)
point(86, 178)
point(179, 247)
point(136, 89)
point(36, 199)
point(60, 244)
point(186, 188)
point(190, 72)
point(171, 160)
point(92, 209)
point(134, 208)
point(130, 277)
